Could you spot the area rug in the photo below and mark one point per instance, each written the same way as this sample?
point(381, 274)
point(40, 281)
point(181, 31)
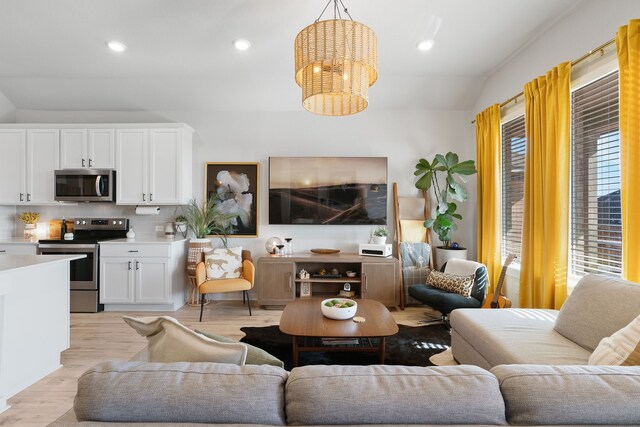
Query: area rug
point(411, 346)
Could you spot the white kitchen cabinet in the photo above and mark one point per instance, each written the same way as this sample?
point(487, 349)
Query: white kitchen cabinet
point(29, 159)
point(142, 276)
point(87, 148)
point(154, 166)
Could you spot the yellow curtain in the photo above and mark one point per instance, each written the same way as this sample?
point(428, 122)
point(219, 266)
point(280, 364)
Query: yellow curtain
point(543, 271)
point(628, 46)
point(489, 162)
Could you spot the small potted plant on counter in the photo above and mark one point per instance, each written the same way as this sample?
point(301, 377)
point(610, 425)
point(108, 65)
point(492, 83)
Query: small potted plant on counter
point(29, 219)
point(181, 225)
point(444, 222)
point(379, 235)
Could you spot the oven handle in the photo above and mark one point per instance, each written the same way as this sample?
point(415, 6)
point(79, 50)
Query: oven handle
point(67, 248)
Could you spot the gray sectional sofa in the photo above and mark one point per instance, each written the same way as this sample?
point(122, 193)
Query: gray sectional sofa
point(598, 306)
point(138, 394)
point(534, 362)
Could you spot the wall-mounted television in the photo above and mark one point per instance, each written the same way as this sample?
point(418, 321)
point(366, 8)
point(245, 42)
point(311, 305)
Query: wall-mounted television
point(328, 190)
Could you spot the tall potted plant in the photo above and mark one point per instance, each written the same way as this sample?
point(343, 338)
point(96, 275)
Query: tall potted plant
point(445, 176)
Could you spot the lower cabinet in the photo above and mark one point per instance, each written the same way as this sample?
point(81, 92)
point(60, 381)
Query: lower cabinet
point(18, 249)
point(278, 278)
point(142, 277)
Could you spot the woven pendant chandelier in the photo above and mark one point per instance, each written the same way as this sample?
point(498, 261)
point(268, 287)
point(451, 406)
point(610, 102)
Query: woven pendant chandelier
point(336, 62)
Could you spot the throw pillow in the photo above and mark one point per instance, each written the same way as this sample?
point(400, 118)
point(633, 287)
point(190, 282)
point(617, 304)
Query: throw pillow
point(621, 348)
point(224, 263)
point(170, 341)
point(451, 283)
point(255, 355)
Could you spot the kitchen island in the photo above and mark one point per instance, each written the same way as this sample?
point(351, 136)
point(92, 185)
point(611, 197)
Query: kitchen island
point(34, 318)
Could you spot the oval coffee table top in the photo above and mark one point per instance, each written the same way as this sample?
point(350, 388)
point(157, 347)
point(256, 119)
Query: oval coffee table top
point(303, 318)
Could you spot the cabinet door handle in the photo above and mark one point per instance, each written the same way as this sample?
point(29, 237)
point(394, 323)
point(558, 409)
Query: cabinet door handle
point(137, 265)
point(90, 163)
point(151, 197)
point(3, 251)
point(290, 281)
point(129, 265)
point(28, 197)
point(133, 250)
point(22, 197)
point(364, 279)
point(82, 162)
point(144, 197)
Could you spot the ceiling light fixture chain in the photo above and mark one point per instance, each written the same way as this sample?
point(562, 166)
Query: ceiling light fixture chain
point(336, 61)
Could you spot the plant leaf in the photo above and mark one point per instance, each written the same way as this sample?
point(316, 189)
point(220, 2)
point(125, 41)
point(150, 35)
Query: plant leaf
point(457, 192)
point(424, 183)
point(442, 208)
point(429, 223)
point(457, 216)
point(452, 159)
point(441, 160)
point(467, 167)
point(451, 208)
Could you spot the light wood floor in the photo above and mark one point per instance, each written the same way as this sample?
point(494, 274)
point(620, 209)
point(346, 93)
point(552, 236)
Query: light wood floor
point(104, 336)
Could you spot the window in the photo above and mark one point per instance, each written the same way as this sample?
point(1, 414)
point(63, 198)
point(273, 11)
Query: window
point(513, 151)
point(596, 226)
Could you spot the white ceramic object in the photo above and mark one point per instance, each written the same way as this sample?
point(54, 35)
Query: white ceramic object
point(351, 274)
point(442, 255)
point(131, 234)
point(379, 240)
point(339, 313)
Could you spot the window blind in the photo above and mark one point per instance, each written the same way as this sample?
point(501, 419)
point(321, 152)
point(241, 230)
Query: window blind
point(596, 225)
point(513, 152)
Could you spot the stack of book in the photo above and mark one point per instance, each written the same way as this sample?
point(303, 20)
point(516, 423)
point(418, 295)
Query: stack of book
point(340, 341)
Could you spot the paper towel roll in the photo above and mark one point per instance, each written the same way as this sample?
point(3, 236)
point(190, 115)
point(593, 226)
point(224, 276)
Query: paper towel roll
point(147, 210)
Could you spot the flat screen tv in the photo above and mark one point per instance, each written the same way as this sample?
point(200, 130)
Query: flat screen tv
point(328, 190)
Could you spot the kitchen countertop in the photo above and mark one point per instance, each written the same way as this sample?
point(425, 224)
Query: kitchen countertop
point(16, 241)
point(10, 263)
point(144, 240)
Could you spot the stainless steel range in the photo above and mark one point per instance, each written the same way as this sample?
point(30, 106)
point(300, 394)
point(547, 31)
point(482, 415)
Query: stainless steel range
point(87, 233)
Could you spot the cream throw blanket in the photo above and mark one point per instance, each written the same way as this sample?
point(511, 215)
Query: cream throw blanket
point(170, 341)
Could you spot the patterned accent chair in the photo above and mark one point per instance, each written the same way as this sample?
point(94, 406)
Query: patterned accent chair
point(445, 302)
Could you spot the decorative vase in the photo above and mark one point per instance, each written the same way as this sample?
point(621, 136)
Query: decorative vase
point(441, 255)
point(131, 234)
point(182, 228)
point(271, 246)
point(30, 234)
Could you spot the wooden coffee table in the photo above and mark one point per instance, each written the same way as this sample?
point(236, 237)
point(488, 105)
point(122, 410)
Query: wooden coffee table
point(303, 320)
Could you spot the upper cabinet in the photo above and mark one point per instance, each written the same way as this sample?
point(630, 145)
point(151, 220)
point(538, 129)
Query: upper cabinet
point(153, 166)
point(29, 159)
point(87, 148)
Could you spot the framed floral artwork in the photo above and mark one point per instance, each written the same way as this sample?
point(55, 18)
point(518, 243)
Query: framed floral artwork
point(236, 185)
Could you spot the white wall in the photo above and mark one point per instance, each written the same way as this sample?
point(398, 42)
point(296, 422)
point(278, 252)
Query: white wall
point(590, 24)
point(7, 110)
point(402, 136)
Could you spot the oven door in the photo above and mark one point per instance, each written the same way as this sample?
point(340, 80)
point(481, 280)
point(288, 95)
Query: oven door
point(84, 271)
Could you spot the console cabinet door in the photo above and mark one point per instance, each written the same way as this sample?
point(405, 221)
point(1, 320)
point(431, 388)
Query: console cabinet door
point(276, 283)
point(380, 282)
point(116, 280)
point(153, 280)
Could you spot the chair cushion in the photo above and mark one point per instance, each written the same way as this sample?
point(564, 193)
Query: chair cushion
point(255, 355)
point(598, 307)
point(451, 283)
point(224, 263)
point(440, 300)
point(621, 348)
point(170, 341)
point(224, 285)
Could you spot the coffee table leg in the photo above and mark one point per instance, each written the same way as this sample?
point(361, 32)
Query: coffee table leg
point(295, 351)
point(382, 342)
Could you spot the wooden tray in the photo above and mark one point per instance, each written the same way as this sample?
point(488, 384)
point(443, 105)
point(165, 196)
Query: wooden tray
point(325, 251)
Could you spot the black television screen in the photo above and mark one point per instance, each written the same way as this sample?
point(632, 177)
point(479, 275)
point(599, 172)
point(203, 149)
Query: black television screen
point(328, 190)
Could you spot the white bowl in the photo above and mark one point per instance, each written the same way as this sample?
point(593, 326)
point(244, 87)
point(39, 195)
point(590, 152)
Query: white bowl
point(339, 313)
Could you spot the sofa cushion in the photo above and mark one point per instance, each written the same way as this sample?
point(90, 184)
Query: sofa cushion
point(255, 355)
point(598, 306)
point(451, 283)
point(181, 392)
point(393, 395)
point(171, 341)
point(621, 348)
point(511, 336)
point(570, 395)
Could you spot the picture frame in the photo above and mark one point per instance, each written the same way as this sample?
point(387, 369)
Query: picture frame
point(328, 190)
point(305, 289)
point(238, 186)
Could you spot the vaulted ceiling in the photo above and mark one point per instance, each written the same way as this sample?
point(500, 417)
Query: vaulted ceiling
point(180, 54)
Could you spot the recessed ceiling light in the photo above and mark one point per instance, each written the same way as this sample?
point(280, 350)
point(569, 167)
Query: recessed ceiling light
point(242, 44)
point(116, 46)
point(425, 45)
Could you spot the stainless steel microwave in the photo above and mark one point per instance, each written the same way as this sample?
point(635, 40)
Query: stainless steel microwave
point(85, 185)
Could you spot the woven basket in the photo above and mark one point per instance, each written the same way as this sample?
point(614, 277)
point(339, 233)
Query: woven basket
point(195, 253)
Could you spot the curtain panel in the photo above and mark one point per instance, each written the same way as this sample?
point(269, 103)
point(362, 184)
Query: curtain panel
point(543, 272)
point(489, 164)
point(628, 49)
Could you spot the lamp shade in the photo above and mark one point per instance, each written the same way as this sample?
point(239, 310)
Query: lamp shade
point(336, 62)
